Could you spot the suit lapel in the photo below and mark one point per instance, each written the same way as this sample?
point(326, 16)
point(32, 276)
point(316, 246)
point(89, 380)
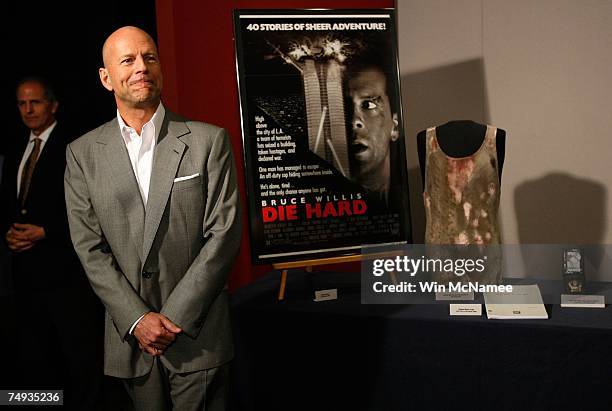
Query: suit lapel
point(50, 157)
point(124, 182)
point(12, 169)
point(15, 160)
point(168, 153)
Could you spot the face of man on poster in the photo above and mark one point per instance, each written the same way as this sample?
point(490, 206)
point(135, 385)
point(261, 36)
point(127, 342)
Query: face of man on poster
point(373, 127)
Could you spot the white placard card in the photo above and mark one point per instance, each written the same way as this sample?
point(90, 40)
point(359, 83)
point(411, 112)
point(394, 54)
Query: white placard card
point(583, 301)
point(326, 295)
point(454, 296)
point(466, 309)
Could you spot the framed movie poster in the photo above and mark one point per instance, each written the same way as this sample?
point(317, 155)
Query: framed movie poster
point(322, 132)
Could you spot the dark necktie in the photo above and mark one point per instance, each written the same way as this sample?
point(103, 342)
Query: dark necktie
point(28, 171)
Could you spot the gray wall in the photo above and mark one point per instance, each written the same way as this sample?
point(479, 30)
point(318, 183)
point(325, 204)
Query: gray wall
point(541, 70)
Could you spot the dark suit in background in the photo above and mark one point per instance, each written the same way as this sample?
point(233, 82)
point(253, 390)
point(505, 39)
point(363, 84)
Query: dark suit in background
point(6, 279)
point(59, 330)
point(52, 263)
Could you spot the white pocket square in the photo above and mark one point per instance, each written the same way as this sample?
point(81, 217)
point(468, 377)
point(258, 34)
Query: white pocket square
point(186, 177)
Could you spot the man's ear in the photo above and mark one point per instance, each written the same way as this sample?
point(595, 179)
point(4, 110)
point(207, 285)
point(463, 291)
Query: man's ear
point(395, 130)
point(54, 106)
point(105, 78)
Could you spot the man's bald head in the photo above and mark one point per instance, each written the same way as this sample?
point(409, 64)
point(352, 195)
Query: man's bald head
point(131, 69)
point(120, 35)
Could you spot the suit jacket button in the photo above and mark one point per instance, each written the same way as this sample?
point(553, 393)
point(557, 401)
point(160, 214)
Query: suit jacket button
point(147, 274)
point(24, 211)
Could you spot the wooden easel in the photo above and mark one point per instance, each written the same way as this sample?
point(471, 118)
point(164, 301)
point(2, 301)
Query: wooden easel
point(308, 264)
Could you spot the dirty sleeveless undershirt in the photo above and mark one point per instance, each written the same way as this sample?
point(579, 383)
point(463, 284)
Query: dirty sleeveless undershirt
point(461, 199)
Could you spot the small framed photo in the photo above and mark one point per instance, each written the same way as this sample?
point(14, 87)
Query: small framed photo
point(573, 271)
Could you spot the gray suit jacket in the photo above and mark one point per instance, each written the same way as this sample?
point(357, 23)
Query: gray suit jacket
point(172, 257)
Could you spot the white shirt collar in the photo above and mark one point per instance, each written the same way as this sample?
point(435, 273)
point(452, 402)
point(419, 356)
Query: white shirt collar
point(44, 136)
point(156, 121)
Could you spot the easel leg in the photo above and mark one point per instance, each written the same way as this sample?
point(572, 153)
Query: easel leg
point(393, 276)
point(281, 291)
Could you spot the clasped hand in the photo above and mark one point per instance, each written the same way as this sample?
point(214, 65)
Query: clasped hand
point(22, 237)
point(155, 333)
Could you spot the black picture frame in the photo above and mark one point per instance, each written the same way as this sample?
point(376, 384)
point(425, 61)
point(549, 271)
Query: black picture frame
point(307, 192)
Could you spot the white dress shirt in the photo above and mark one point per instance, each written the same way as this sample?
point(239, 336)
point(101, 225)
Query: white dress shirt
point(140, 149)
point(44, 136)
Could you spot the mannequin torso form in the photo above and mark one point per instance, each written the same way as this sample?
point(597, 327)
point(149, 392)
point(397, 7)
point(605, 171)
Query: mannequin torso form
point(460, 139)
point(461, 164)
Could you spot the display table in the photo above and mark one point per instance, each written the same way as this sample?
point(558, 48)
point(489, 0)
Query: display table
point(342, 355)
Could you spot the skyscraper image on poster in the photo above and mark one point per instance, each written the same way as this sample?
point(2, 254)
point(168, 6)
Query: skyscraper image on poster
point(322, 132)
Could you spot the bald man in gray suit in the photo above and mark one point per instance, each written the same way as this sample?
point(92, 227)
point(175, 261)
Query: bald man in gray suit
point(154, 216)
